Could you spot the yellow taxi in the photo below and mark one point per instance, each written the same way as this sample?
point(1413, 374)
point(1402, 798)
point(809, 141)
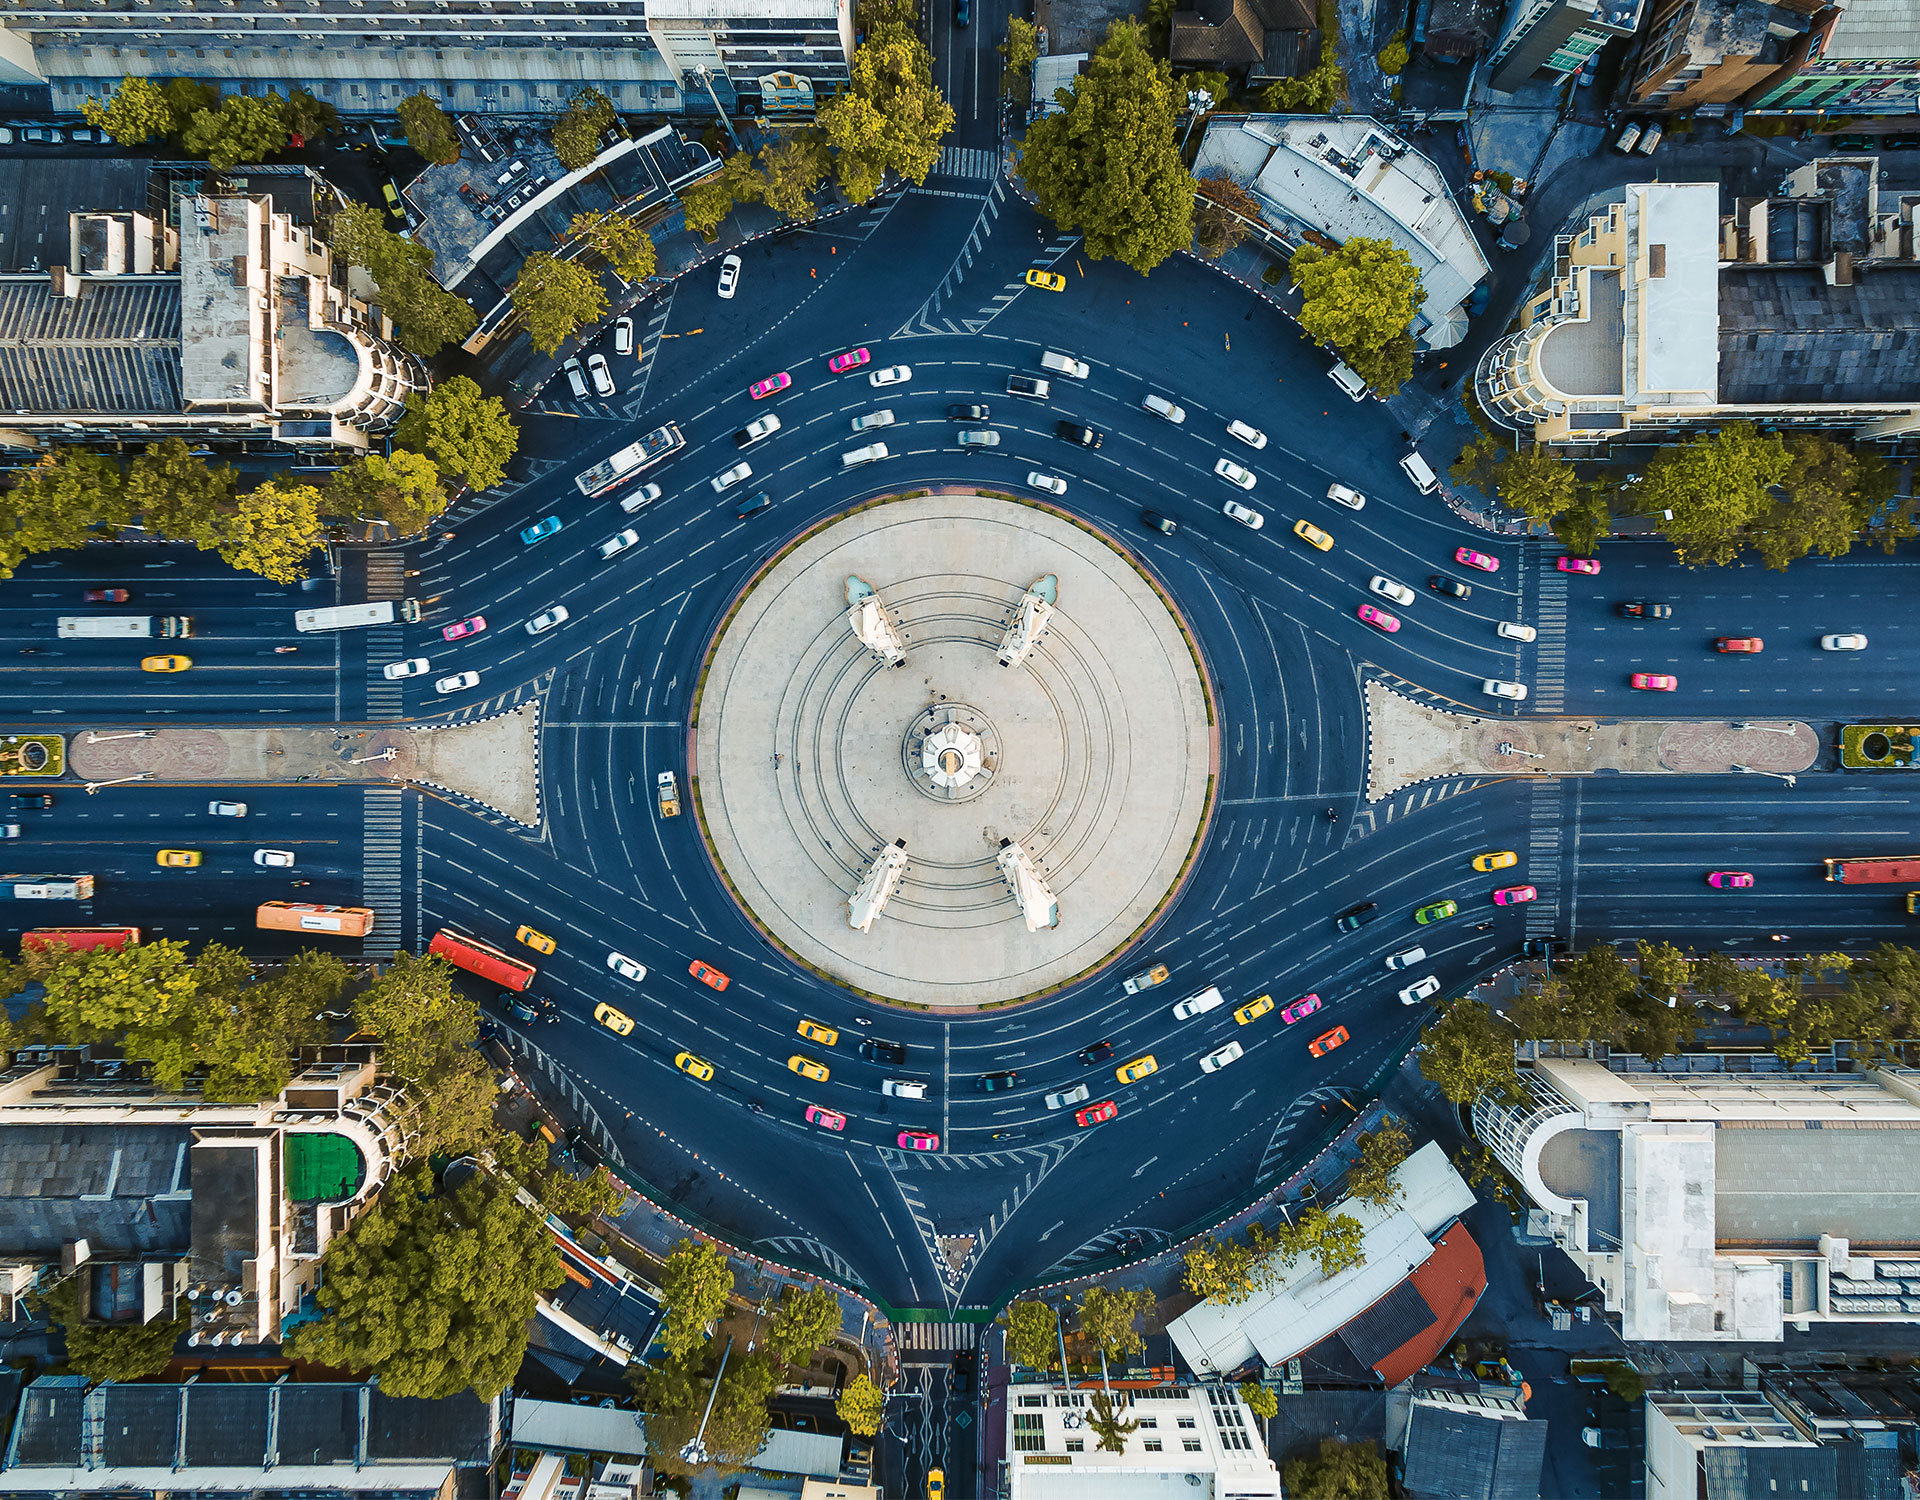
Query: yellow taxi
point(1499, 859)
point(178, 859)
point(813, 1031)
point(1053, 281)
point(614, 1020)
point(806, 1067)
point(1134, 1071)
point(165, 663)
point(1312, 535)
point(538, 941)
point(693, 1067)
point(937, 1478)
point(1253, 1010)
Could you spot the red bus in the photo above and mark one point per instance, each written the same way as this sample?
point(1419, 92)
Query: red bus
point(80, 939)
point(1898, 871)
point(481, 958)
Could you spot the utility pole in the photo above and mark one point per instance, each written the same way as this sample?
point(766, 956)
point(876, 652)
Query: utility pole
point(695, 1451)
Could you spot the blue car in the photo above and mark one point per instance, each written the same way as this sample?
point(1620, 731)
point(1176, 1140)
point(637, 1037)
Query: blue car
point(540, 530)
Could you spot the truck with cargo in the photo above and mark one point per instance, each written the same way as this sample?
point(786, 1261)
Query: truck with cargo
point(667, 789)
point(124, 627)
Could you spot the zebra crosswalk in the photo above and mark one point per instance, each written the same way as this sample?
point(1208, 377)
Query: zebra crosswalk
point(1550, 659)
point(381, 845)
point(933, 1343)
point(1543, 855)
point(966, 161)
point(384, 644)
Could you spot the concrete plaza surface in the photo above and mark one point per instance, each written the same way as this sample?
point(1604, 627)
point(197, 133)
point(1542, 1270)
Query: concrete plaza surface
point(1102, 768)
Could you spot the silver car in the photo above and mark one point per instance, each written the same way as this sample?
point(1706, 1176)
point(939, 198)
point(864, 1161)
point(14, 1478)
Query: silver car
point(619, 542)
point(1230, 471)
point(547, 619)
point(1061, 1100)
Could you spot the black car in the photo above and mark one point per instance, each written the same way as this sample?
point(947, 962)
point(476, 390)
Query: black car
point(1073, 432)
point(29, 799)
point(873, 1049)
point(994, 1083)
point(972, 413)
point(1356, 917)
point(1099, 1052)
point(1164, 524)
point(1453, 588)
point(1645, 609)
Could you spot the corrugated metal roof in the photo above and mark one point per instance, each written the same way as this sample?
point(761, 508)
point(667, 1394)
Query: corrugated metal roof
point(115, 348)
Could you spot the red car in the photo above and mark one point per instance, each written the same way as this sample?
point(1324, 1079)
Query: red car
point(107, 596)
point(707, 974)
point(1468, 558)
point(851, 360)
point(1654, 682)
point(1379, 619)
point(761, 389)
point(1305, 1006)
point(1097, 1114)
point(827, 1119)
point(1515, 895)
point(1753, 645)
point(1730, 880)
point(1578, 564)
point(471, 626)
point(1321, 1045)
point(917, 1140)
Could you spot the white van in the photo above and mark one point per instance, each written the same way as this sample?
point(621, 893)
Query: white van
point(1160, 406)
point(1421, 473)
point(1064, 364)
point(904, 1088)
point(866, 455)
point(1406, 958)
point(1348, 381)
point(1198, 1005)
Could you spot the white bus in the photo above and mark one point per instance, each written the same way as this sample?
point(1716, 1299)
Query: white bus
point(46, 887)
point(630, 462)
point(348, 616)
point(123, 627)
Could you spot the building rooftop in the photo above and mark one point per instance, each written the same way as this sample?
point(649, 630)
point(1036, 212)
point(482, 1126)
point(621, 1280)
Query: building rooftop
point(125, 1189)
point(1581, 356)
point(1789, 1184)
point(1586, 1164)
point(1787, 336)
point(115, 347)
point(1675, 239)
point(38, 192)
point(1457, 1449)
point(1870, 29)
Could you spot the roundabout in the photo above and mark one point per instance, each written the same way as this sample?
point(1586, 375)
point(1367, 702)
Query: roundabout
point(1047, 766)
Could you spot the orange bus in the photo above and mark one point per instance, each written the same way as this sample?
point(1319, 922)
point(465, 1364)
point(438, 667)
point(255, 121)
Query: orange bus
point(80, 939)
point(309, 916)
point(481, 958)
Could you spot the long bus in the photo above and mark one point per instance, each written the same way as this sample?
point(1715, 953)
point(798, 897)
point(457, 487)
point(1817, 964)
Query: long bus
point(1899, 870)
point(481, 958)
point(46, 887)
point(309, 916)
point(350, 616)
point(122, 627)
point(80, 939)
point(630, 462)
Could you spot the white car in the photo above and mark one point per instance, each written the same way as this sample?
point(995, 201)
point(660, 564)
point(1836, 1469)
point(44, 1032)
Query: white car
point(1339, 494)
point(457, 682)
point(1386, 588)
point(1061, 1100)
point(274, 859)
point(1509, 630)
point(891, 375)
point(1230, 471)
point(645, 495)
point(1053, 484)
point(1246, 516)
point(227, 809)
point(853, 457)
point(1214, 1061)
point(1854, 642)
point(732, 477)
point(602, 376)
point(623, 336)
point(1198, 1005)
point(758, 428)
point(614, 545)
point(1493, 687)
point(880, 418)
point(729, 275)
point(1160, 406)
point(1253, 437)
point(413, 666)
point(625, 967)
point(549, 617)
point(1420, 990)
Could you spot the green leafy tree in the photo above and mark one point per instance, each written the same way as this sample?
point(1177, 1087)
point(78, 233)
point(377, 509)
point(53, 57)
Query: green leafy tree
point(1717, 485)
point(1829, 495)
point(558, 1190)
point(187, 97)
point(246, 127)
point(432, 1291)
point(429, 130)
point(273, 530)
point(1664, 969)
point(675, 1392)
point(1108, 165)
point(1360, 299)
point(576, 134)
point(177, 493)
point(1337, 1242)
point(1021, 50)
point(1393, 57)
point(1261, 1401)
point(862, 1405)
point(1584, 524)
point(114, 1352)
point(403, 489)
point(619, 241)
point(1319, 90)
point(1106, 1420)
point(1220, 1270)
point(426, 316)
point(1381, 1151)
point(555, 297)
point(1469, 1052)
point(308, 118)
point(1109, 1318)
point(136, 113)
point(414, 1013)
point(695, 1286)
point(469, 436)
point(1221, 214)
point(794, 166)
point(709, 203)
point(67, 498)
point(1886, 984)
point(1216, 86)
point(141, 997)
point(803, 1322)
point(245, 1033)
point(1343, 1471)
point(890, 116)
point(1535, 483)
point(1033, 1334)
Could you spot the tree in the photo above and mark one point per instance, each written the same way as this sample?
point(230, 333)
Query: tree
point(1108, 165)
point(1717, 485)
point(177, 493)
point(1317, 92)
point(1216, 86)
point(1370, 1179)
point(1220, 1270)
point(1535, 483)
point(1361, 299)
point(694, 1290)
point(469, 436)
point(140, 997)
point(576, 134)
point(1343, 1471)
point(1032, 1335)
point(415, 1013)
point(1393, 57)
point(554, 297)
point(1021, 50)
point(1583, 525)
point(1886, 984)
point(890, 116)
point(308, 118)
point(273, 530)
point(708, 203)
point(429, 130)
point(136, 113)
point(58, 503)
point(426, 316)
point(118, 1352)
point(1260, 1400)
point(1106, 1422)
point(432, 1291)
point(246, 127)
point(803, 1322)
point(862, 1405)
point(675, 1396)
point(403, 489)
point(186, 97)
point(1220, 217)
point(619, 241)
point(794, 166)
point(1335, 1241)
point(1469, 1052)
point(1829, 494)
point(245, 1033)
point(1108, 1318)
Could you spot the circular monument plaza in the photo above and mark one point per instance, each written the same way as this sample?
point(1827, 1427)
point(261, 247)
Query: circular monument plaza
point(953, 749)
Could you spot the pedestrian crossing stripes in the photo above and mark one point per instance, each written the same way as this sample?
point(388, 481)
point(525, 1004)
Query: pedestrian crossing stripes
point(381, 839)
point(386, 575)
point(1543, 856)
point(964, 161)
point(384, 644)
point(934, 1343)
point(1550, 660)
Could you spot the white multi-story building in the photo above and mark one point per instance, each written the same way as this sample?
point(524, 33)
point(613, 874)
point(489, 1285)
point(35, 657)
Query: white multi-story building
point(1198, 1435)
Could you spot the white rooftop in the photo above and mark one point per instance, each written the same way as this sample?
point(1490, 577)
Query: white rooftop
point(1193, 1443)
point(1673, 313)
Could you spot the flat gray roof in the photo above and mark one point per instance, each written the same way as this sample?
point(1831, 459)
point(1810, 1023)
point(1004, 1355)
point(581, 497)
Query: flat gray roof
point(1786, 336)
point(1789, 1184)
point(114, 348)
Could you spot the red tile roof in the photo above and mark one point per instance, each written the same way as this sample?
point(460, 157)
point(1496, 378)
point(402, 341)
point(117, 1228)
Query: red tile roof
point(1451, 1281)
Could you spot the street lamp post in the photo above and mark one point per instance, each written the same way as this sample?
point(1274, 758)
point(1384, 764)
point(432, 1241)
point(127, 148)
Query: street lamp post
point(1763, 728)
point(361, 760)
point(94, 786)
point(131, 734)
point(695, 1452)
point(1776, 775)
point(1511, 749)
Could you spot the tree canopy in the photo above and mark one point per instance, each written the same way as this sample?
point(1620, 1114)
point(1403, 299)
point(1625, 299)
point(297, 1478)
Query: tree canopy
point(675, 1392)
point(1468, 1051)
point(1382, 1149)
point(890, 117)
point(793, 166)
point(117, 1352)
point(1220, 218)
point(802, 1322)
point(273, 530)
point(1342, 1471)
point(136, 112)
point(469, 436)
point(62, 501)
point(1033, 1334)
point(1108, 165)
point(429, 129)
point(245, 127)
point(576, 134)
point(618, 240)
point(425, 315)
point(554, 297)
point(1260, 1400)
point(1109, 1318)
point(862, 1405)
point(403, 490)
point(1361, 299)
point(694, 1286)
point(426, 1030)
